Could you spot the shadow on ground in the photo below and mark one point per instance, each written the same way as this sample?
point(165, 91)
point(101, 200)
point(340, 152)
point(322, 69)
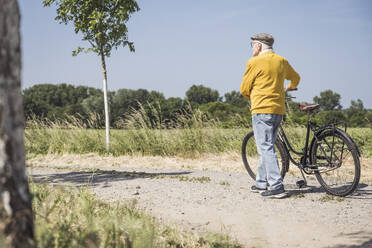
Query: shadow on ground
point(293, 190)
point(362, 240)
point(96, 177)
point(362, 191)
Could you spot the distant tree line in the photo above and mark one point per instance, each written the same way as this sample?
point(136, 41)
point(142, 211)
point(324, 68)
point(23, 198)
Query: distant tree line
point(331, 111)
point(58, 102)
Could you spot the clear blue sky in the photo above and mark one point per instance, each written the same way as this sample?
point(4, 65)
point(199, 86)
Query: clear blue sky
point(181, 43)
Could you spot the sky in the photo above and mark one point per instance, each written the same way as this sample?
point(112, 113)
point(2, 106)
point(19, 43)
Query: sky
point(181, 43)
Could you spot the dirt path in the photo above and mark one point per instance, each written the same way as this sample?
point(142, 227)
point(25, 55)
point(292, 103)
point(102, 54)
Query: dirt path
point(218, 199)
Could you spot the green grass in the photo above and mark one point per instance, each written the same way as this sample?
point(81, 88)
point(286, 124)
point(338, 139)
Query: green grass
point(192, 136)
point(327, 198)
point(173, 142)
point(188, 142)
point(224, 183)
point(75, 218)
point(296, 196)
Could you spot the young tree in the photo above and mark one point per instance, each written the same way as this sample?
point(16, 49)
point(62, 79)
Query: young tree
point(16, 218)
point(103, 24)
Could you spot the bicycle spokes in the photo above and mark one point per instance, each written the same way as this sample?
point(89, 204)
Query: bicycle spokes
point(334, 162)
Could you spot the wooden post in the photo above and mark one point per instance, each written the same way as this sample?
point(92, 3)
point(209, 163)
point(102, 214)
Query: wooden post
point(16, 218)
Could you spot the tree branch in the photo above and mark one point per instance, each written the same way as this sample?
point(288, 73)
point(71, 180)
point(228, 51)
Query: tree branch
point(91, 43)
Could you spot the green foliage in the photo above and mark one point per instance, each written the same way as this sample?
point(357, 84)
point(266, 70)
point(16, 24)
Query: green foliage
point(200, 94)
point(357, 114)
point(171, 108)
point(58, 102)
point(238, 121)
point(101, 23)
point(355, 106)
point(328, 100)
point(368, 118)
point(293, 115)
point(363, 139)
point(229, 115)
point(55, 102)
point(358, 120)
point(125, 101)
point(75, 218)
point(329, 117)
point(218, 110)
point(234, 98)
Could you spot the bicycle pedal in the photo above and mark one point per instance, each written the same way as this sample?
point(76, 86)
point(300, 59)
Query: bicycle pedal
point(301, 184)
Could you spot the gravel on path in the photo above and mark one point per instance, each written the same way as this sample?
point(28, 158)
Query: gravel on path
point(220, 201)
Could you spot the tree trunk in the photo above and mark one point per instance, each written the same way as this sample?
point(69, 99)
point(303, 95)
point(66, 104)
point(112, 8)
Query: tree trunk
point(16, 218)
point(107, 117)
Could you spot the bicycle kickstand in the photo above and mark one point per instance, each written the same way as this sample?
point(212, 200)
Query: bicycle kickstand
point(302, 183)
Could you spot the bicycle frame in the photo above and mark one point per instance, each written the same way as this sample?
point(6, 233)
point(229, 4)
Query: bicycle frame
point(305, 154)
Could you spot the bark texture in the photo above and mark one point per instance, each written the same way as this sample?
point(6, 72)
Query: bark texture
point(16, 217)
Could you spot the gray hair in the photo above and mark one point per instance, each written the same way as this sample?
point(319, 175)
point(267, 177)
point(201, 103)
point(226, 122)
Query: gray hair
point(263, 45)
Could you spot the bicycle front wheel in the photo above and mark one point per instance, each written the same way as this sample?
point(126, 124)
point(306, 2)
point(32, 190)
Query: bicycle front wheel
point(336, 158)
point(251, 157)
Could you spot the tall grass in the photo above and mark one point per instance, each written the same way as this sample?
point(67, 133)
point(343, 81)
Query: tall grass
point(75, 218)
point(190, 134)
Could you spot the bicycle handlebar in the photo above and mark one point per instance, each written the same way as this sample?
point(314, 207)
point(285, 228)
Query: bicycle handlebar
point(295, 89)
point(289, 96)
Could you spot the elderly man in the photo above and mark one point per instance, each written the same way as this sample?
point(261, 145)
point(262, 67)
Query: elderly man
point(263, 84)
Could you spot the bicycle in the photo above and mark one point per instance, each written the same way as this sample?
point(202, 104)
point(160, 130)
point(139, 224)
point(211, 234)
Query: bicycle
point(326, 156)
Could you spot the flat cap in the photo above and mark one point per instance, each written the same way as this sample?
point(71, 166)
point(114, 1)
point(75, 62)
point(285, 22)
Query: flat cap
point(267, 39)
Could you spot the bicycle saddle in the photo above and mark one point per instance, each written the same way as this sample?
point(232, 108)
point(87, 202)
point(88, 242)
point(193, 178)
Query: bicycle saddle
point(309, 107)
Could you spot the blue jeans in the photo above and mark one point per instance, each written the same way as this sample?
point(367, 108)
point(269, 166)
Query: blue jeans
point(265, 128)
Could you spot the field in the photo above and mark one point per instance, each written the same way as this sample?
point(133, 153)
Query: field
point(192, 141)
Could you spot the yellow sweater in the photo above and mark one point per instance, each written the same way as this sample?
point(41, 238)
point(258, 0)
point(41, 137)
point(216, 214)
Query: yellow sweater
point(263, 83)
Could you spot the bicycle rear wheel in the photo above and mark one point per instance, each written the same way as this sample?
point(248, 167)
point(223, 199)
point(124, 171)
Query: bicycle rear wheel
point(338, 162)
point(250, 156)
